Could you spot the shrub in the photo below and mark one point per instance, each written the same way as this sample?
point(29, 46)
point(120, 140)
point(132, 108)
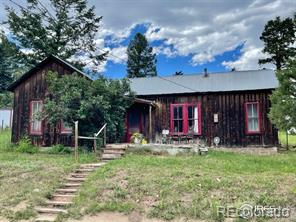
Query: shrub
point(25, 146)
point(60, 149)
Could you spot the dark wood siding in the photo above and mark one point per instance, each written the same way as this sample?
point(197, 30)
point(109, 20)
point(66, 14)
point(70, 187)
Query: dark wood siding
point(229, 106)
point(34, 88)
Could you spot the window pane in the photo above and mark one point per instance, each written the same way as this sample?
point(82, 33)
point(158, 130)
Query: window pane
point(250, 110)
point(255, 124)
point(180, 112)
point(180, 126)
point(35, 118)
point(176, 129)
point(190, 126)
point(255, 110)
point(175, 112)
point(190, 115)
point(196, 126)
point(250, 125)
point(195, 112)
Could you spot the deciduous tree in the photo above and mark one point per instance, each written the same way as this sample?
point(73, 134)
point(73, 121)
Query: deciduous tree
point(283, 99)
point(92, 103)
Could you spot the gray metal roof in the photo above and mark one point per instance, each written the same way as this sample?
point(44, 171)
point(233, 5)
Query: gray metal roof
point(215, 82)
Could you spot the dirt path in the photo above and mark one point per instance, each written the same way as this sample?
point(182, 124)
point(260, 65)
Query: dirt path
point(118, 217)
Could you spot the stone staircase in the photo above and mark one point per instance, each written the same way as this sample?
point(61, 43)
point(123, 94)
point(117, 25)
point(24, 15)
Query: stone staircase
point(62, 198)
point(113, 151)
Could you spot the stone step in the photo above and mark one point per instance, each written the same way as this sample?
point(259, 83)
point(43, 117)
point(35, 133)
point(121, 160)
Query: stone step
point(61, 197)
point(64, 190)
point(50, 210)
point(92, 165)
point(72, 185)
point(76, 179)
point(115, 148)
point(79, 175)
point(59, 203)
point(46, 218)
point(110, 156)
point(85, 170)
point(117, 145)
point(111, 151)
point(64, 195)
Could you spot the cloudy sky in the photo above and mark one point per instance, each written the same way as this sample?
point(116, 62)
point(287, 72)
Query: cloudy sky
point(186, 35)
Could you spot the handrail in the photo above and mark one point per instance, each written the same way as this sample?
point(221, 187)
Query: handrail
point(98, 133)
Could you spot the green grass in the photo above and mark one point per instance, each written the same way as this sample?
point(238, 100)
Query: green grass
point(191, 187)
point(291, 139)
point(27, 179)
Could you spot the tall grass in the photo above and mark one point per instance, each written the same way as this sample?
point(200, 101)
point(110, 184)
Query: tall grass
point(5, 140)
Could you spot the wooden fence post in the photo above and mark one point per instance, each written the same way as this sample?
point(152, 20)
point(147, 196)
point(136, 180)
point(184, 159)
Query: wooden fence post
point(150, 124)
point(104, 144)
point(76, 141)
point(95, 144)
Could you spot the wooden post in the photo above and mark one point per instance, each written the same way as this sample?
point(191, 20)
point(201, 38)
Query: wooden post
point(105, 142)
point(150, 124)
point(95, 144)
point(76, 141)
point(287, 140)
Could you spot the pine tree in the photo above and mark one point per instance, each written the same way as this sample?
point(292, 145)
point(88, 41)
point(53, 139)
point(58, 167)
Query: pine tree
point(283, 99)
point(278, 37)
point(65, 29)
point(9, 62)
point(141, 60)
point(10, 66)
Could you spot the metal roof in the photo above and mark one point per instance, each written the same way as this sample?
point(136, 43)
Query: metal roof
point(215, 82)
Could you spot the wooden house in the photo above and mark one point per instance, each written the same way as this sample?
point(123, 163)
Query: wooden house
point(231, 106)
point(30, 92)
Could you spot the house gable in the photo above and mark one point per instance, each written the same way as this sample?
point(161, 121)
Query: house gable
point(32, 87)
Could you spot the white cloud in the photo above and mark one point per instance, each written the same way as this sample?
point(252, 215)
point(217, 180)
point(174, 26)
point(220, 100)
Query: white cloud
point(199, 28)
point(118, 55)
point(248, 60)
point(203, 29)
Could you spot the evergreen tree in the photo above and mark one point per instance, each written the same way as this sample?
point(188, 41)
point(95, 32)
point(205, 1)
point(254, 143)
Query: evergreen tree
point(283, 99)
point(66, 29)
point(278, 37)
point(10, 66)
point(9, 63)
point(141, 61)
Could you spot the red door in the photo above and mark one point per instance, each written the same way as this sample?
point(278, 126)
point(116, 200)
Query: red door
point(134, 123)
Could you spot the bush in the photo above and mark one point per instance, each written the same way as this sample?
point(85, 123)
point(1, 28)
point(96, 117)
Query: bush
point(60, 149)
point(25, 146)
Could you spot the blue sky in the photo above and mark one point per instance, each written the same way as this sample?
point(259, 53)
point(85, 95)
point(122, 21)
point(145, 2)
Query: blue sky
point(187, 35)
point(169, 65)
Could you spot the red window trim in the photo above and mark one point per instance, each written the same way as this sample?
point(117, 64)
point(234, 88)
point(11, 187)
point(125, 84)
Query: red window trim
point(185, 118)
point(250, 132)
point(34, 133)
point(64, 130)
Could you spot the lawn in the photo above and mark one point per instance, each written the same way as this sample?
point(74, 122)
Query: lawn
point(27, 179)
point(188, 186)
point(291, 139)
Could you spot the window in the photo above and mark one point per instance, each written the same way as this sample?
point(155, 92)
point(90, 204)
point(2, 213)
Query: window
point(66, 128)
point(193, 126)
point(177, 119)
point(35, 121)
point(185, 119)
point(252, 117)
